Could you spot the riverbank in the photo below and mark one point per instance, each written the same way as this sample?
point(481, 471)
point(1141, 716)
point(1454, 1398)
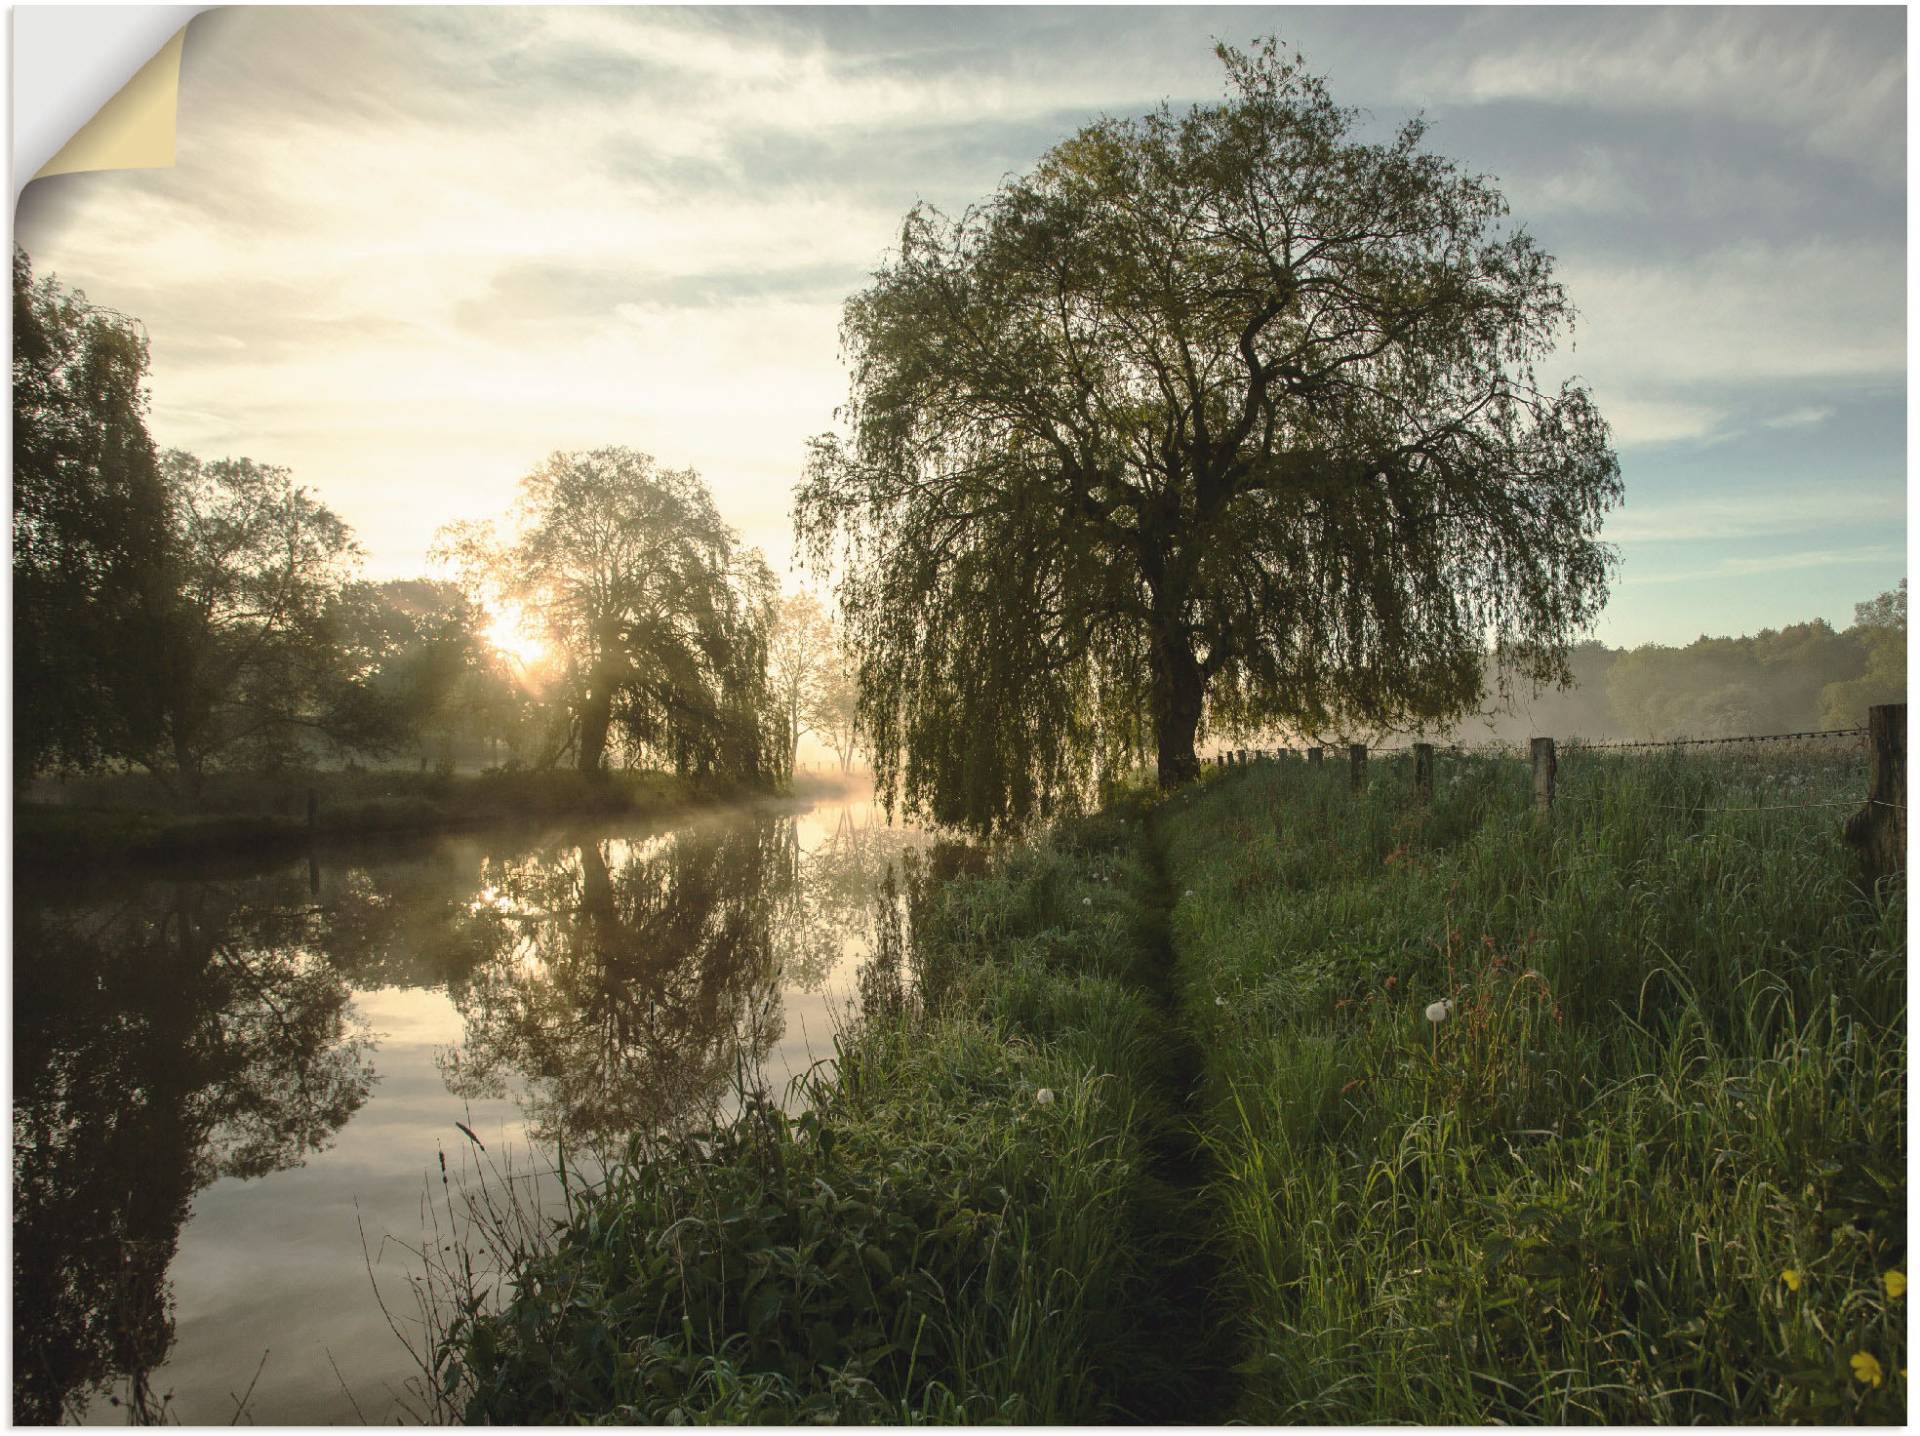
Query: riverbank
point(1283, 1102)
point(120, 822)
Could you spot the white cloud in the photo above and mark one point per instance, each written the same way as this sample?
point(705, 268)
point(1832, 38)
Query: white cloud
point(1782, 563)
point(1817, 309)
point(1802, 418)
point(1643, 422)
point(1829, 77)
point(1750, 515)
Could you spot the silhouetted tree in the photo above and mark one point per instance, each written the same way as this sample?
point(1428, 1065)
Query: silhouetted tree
point(801, 660)
point(431, 679)
point(91, 521)
point(662, 616)
point(252, 667)
point(1225, 417)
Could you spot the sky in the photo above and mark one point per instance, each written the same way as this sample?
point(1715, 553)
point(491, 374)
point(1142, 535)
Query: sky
point(408, 252)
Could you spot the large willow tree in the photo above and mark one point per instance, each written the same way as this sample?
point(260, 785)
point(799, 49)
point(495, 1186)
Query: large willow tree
point(1223, 418)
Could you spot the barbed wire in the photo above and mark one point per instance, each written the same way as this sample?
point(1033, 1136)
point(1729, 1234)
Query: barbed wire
point(1572, 746)
point(1577, 746)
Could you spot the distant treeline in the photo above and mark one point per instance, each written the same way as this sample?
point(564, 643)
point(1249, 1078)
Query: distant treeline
point(1786, 680)
point(185, 617)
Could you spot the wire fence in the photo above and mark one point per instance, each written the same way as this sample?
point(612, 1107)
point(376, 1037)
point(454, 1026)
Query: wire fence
point(1546, 756)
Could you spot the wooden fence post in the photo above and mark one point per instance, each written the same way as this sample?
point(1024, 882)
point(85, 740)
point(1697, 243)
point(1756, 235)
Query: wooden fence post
point(1314, 755)
point(1879, 830)
point(1423, 773)
point(1544, 768)
point(1357, 760)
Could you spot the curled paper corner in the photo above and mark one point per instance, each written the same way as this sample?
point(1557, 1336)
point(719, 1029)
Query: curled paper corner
point(135, 129)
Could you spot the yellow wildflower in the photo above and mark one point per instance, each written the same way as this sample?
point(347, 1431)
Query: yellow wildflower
point(1895, 1282)
point(1866, 1368)
point(1791, 1278)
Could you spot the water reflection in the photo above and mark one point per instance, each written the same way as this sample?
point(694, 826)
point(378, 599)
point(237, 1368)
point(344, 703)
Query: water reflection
point(179, 1034)
point(625, 982)
point(169, 1035)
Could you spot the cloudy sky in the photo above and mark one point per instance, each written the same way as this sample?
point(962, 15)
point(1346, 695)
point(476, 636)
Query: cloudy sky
point(408, 252)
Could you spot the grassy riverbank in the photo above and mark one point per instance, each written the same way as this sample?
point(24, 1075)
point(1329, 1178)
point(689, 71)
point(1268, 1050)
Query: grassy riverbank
point(124, 820)
point(968, 1223)
point(1649, 1166)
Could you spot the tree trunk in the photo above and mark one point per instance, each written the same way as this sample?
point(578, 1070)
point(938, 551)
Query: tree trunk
point(596, 716)
point(1179, 690)
point(190, 772)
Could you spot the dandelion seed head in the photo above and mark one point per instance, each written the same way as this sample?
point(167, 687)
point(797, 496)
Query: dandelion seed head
point(1044, 1097)
point(1439, 1011)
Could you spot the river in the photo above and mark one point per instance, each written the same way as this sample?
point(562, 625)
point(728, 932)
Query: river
point(233, 1094)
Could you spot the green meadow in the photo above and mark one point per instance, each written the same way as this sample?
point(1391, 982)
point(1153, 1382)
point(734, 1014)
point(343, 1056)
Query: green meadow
point(1279, 1102)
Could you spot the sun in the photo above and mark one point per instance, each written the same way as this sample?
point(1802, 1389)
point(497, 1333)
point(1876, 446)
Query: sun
point(508, 634)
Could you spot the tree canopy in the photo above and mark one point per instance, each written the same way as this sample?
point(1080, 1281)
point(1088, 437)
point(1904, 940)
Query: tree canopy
point(662, 618)
point(90, 525)
point(802, 662)
point(1227, 418)
point(251, 656)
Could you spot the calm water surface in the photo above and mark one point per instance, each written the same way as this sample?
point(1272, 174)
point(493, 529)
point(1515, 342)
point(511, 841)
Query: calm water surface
point(222, 1084)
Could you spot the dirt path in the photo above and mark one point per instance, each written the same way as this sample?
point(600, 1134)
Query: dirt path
point(1189, 1322)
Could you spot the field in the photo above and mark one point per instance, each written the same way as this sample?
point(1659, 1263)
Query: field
point(1280, 1102)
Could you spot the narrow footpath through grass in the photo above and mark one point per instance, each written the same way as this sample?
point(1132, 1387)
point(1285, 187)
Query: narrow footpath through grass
point(1187, 1317)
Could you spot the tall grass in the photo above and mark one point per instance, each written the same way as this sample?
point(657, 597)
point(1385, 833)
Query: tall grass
point(962, 1224)
point(1651, 1165)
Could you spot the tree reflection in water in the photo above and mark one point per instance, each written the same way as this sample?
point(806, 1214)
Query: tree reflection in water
point(165, 1039)
point(631, 983)
point(176, 1033)
point(623, 981)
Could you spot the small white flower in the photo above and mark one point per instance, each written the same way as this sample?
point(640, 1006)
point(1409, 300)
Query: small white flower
point(1086, 902)
point(1189, 892)
point(1219, 1001)
point(1439, 1011)
point(1044, 1096)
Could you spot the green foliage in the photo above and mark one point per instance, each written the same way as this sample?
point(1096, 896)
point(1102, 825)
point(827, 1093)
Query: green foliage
point(1880, 626)
point(252, 665)
point(927, 1242)
point(90, 523)
point(1788, 680)
point(417, 653)
point(1673, 1070)
point(1774, 681)
point(663, 620)
point(1224, 417)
